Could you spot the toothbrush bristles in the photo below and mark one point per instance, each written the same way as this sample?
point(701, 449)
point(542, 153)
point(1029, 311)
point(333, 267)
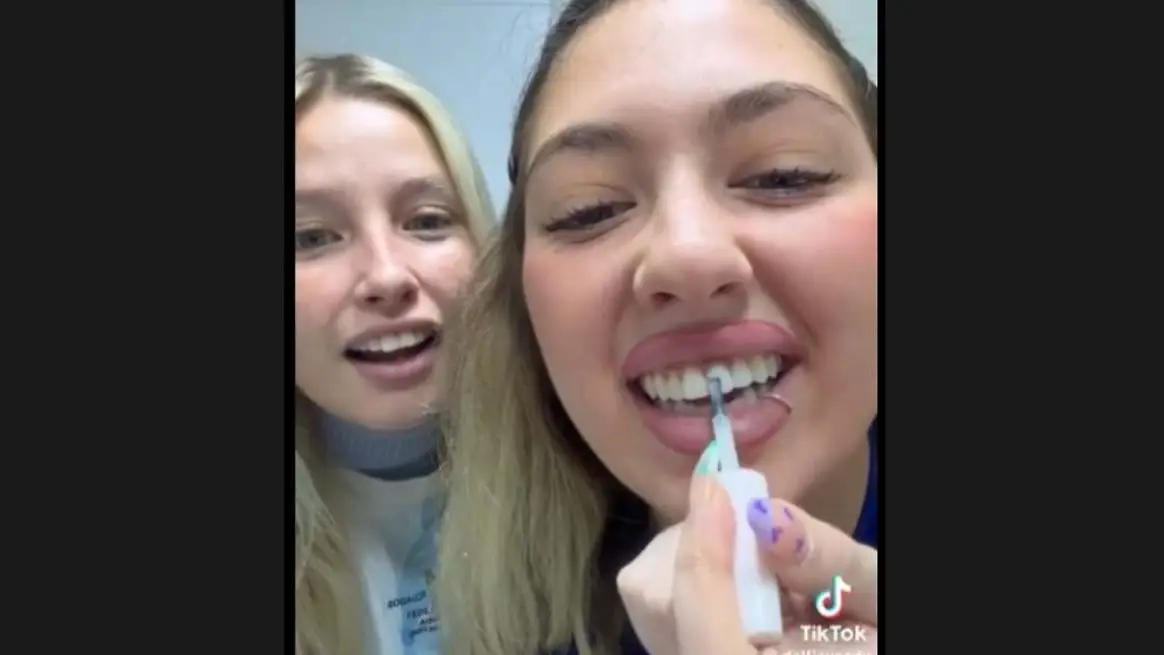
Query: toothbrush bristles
point(715, 393)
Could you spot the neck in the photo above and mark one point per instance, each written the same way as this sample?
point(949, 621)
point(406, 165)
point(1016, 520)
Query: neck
point(838, 499)
point(388, 454)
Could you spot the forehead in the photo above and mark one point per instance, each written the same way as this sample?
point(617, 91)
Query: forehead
point(643, 60)
point(342, 139)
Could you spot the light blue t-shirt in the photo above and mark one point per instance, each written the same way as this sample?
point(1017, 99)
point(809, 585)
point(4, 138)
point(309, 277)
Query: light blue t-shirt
point(392, 502)
point(393, 537)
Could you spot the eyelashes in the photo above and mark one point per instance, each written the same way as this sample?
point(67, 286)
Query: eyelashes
point(777, 185)
point(313, 238)
point(428, 225)
point(788, 181)
point(588, 216)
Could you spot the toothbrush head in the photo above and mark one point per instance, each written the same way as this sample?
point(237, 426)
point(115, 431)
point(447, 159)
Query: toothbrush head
point(715, 393)
point(721, 428)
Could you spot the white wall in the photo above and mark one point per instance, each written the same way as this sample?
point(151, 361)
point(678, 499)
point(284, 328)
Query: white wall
point(475, 54)
point(856, 20)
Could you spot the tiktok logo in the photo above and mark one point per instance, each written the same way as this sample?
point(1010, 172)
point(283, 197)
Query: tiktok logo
point(830, 601)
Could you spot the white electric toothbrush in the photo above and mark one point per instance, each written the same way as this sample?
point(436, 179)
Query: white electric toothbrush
point(757, 591)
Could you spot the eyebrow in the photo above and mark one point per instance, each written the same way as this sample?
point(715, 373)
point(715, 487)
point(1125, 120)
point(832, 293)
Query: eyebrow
point(418, 187)
point(754, 103)
point(311, 196)
point(589, 138)
point(739, 108)
point(411, 188)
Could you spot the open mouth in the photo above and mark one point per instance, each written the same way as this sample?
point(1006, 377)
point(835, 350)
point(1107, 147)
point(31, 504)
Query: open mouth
point(684, 390)
point(392, 348)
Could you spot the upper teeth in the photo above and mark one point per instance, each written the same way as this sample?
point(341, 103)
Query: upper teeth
point(392, 342)
point(691, 383)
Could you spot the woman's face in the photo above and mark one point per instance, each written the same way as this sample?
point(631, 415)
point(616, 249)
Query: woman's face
point(701, 198)
point(381, 251)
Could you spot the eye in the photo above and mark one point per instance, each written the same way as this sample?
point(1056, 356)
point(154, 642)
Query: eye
point(313, 238)
point(788, 181)
point(429, 223)
point(585, 218)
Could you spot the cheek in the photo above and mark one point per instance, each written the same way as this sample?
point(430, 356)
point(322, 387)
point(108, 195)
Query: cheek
point(444, 269)
point(565, 309)
point(318, 293)
point(827, 267)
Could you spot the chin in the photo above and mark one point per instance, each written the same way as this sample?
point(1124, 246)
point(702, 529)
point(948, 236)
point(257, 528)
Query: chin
point(667, 496)
point(673, 509)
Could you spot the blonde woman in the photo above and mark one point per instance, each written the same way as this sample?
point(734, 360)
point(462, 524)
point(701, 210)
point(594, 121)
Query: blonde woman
point(703, 196)
point(390, 208)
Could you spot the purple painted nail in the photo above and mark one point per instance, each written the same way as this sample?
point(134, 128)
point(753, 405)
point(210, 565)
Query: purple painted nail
point(760, 520)
point(788, 514)
point(800, 546)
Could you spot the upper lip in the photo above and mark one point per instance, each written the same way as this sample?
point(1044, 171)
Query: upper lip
point(706, 343)
point(398, 327)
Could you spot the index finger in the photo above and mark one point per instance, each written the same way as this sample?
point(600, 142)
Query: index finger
point(815, 557)
point(704, 602)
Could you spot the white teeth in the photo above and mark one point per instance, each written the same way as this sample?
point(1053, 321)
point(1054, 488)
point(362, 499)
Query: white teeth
point(742, 374)
point(390, 343)
point(649, 388)
point(758, 368)
point(694, 384)
point(724, 375)
point(691, 383)
point(772, 363)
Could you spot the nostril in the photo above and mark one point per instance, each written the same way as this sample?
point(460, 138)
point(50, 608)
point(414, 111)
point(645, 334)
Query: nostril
point(661, 298)
point(724, 290)
point(405, 296)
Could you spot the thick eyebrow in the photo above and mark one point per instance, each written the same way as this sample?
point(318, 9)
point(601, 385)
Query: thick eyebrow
point(591, 138)
point(754, 103)
point(743, 106)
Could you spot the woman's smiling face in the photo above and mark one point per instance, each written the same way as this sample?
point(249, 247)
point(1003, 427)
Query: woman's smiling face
point(382, 251)
point(701, 199)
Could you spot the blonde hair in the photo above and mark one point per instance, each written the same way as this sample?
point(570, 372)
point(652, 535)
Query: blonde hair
point(328, 605)
point(527, 500)
point(526, 503)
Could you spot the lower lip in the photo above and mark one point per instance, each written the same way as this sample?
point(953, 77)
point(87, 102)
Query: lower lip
point(399, 375)
point(752, 424)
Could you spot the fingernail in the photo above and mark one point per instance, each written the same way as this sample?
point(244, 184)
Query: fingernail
point(760, 517)
point(796, 551)
point(794, 545)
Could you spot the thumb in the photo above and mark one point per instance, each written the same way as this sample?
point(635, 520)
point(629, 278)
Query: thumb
point(810, 556)
point(707, 618)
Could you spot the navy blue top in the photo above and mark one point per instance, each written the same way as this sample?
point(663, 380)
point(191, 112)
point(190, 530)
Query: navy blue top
point(628, 533)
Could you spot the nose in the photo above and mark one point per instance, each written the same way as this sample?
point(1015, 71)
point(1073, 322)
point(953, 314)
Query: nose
point(692, 259)
point(386, 284)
